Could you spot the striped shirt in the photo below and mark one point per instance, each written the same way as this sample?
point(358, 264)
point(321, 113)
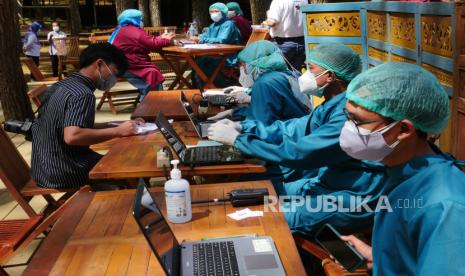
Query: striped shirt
point(70, 102)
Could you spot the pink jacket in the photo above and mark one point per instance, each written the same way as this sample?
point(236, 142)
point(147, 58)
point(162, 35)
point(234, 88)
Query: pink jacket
point(136, 45)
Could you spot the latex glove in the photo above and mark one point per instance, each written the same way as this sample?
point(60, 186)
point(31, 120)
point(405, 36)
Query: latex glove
point(222, 115)
point(236, 125)
point(222, 133)
point(241, 96)
point(232, 89)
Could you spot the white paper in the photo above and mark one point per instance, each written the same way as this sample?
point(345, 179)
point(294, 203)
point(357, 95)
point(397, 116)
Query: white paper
point(214, 92)
point(262, 245)
point(245, 213)
point(147, 127)
point(199, 46)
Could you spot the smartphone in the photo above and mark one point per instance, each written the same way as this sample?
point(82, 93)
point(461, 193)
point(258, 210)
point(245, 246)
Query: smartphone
point(330, 239)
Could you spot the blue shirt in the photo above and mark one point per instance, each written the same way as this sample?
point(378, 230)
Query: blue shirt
point(272, 99)
point(424, 234)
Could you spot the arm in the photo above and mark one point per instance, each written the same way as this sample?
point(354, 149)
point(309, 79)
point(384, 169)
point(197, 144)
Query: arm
point(308, 152)
point(77, 136)
point(439, 231)
point(273, 15)
point(29, 42)
point(224, 34)
point(153, 43)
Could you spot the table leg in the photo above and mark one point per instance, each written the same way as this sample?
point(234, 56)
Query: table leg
point(207, 80)
point(179, 73)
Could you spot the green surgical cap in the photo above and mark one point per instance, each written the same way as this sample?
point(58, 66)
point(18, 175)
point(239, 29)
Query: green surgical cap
point(402, 91)
point(220, 6)
point(340, 59)
point(265, 55)
point(234, 6)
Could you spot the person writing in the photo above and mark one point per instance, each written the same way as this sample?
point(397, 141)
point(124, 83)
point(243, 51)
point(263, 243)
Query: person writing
point(64, 129)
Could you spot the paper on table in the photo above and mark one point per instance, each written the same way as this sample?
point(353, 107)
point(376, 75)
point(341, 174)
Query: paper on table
point(210, 92)
point(199, 46)
point(245, 213)
point(143, 129)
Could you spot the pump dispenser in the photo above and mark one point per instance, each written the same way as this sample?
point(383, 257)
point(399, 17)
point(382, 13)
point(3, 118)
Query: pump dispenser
point(177, 196)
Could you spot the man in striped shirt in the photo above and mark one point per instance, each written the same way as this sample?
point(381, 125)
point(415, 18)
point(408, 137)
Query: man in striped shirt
point(64, 130)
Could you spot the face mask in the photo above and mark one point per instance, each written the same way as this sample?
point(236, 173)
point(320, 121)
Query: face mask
point(308, 85)
point(365, 145)
point(216, 16)
point(303, 98)
point(107, 84)
point(246, 78)
point(231, 14)
point(56, 29)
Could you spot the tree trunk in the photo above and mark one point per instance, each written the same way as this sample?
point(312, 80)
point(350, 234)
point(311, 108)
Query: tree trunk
point(258, 9)
point(144, 8)
point(155, 12)
point(122, 5)
point(200, 13)
point(75, 17)
point(13, 88)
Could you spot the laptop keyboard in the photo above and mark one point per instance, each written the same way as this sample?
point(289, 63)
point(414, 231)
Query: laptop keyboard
point(205, 154)
point(215, 258)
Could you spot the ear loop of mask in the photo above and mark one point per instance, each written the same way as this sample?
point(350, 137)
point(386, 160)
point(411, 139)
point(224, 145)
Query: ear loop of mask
point(386, 129)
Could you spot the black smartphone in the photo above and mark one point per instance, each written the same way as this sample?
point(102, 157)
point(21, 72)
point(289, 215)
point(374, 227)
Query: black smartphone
point(330, 239)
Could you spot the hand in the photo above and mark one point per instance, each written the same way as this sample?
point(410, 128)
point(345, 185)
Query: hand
point(194, 38)
point(222, 115)
point(236, 125)
point(232, 89)
point(168, 36)
point(364, 249)
point(241, 96)
point(139, 121)
point(222, 133)
point(127, 128)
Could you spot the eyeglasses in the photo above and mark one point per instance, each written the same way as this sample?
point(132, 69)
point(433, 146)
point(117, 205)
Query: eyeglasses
point(359, 123)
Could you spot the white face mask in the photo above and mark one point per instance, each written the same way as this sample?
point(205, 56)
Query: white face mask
point(56, 29)
point(246, 76)
point(363, 144)
point(231, 14)
point(308, 85)
point(216, 16)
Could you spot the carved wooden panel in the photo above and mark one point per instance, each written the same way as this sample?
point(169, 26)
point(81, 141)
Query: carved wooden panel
point(397, 58)
point(333, 24)
point(378, 54)
point(377, 26)
point(460, 148)
point(436, 34)
point(444, 77)
point(356, 47)
point(403, 30)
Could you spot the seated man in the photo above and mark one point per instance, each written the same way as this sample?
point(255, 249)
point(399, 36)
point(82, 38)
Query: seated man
point(136, 44)
point(303, 155)
point(64, 129)
point(272, 93)
point(392, 109)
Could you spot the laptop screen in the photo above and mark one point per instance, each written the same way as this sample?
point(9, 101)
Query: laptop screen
point(190, 112)
point(170, 135)
point(156, 231)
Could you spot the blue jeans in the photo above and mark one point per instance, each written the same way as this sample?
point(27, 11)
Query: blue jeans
point(140, 84)
point(293, 51)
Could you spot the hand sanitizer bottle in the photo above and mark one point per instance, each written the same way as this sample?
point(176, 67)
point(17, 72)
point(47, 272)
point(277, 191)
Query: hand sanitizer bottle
point(177, 196)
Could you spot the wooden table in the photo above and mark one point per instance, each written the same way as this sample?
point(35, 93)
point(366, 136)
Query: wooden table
point(97, 234)
point(135, 157)
point(169, 103)
point(221, 51)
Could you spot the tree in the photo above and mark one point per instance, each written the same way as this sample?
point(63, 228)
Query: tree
point(200, 13)
point(144, 8)
point(75, 17)
point(155, 12)
point(13, 88)
point(258, 9)
point(122, 5)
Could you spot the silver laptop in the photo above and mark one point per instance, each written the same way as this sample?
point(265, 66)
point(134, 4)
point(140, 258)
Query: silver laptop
point(201, 127)
point(228, 256)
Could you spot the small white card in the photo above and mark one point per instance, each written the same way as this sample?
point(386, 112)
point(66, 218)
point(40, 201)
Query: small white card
point(262, 245)
point(245, 213)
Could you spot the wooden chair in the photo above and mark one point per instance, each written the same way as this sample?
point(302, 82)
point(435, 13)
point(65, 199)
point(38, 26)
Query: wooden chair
point(330, 267)
point(158, 30)
point(68, 53)
point(36, 94)
point(98, 39)
point(15, 234)
point(14, 172)
point(258, 34)
point(35, 71)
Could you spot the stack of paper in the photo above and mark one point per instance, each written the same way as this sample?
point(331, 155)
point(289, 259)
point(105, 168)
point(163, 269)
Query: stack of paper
point(213, 92)
point(245, 213)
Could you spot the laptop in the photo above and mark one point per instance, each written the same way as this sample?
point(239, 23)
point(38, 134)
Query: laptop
point(210, 155)
point(223, 256)
point(201, 127)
